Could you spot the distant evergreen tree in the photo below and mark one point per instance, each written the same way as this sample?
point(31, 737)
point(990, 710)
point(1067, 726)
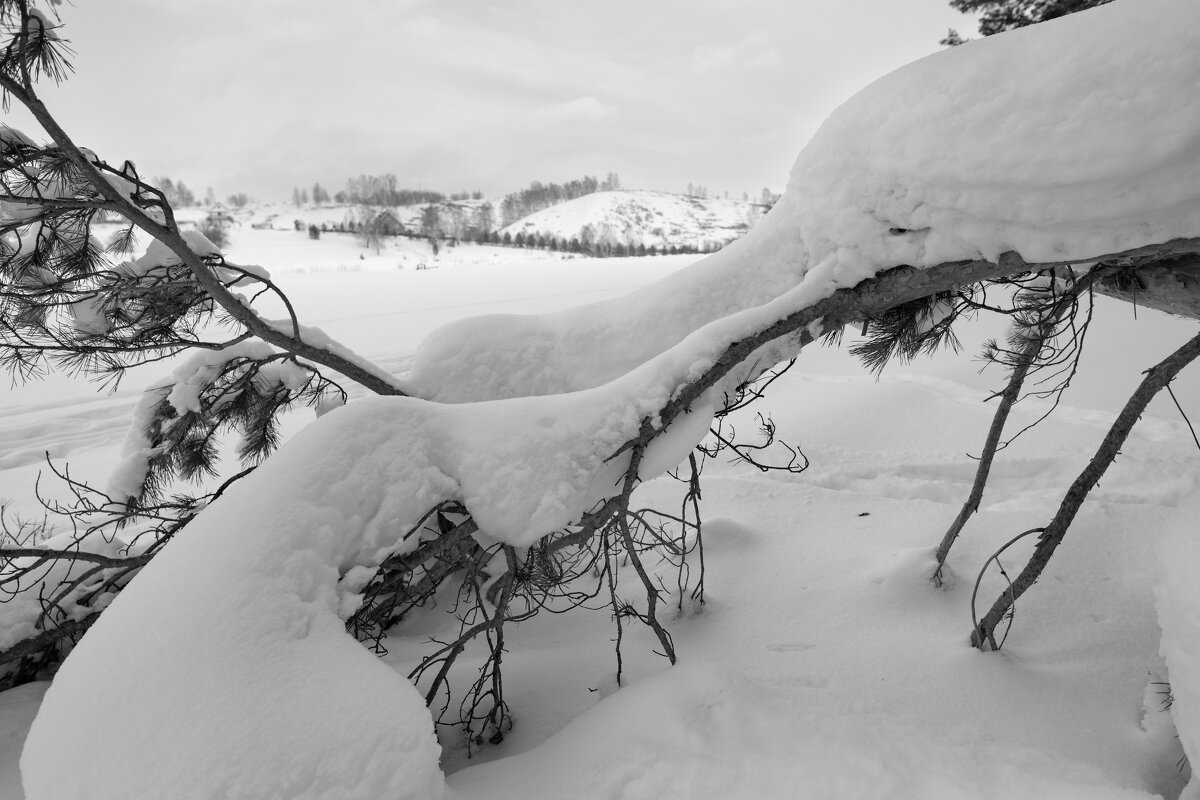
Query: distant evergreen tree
point(998, 16)
point(485, 218)
point(587, 238)
point(431, 222)
point(177, 194)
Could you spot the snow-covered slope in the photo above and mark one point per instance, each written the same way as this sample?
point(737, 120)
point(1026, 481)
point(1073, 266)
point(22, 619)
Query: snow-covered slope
point(658, 219)
point(645, 218)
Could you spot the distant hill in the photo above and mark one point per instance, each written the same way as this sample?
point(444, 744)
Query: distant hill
point(611, 221)
point(647, 218)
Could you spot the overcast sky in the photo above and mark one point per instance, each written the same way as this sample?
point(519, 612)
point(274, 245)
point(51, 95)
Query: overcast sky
point(259, 96)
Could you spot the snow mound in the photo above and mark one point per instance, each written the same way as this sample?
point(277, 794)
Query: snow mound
point(1066, 140)
point(699, 731)
point(1178, 601)
point(225, 671)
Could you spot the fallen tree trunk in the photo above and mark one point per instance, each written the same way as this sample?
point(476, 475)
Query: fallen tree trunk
point(1169, 284)
point(780, 340)
point(885, 291)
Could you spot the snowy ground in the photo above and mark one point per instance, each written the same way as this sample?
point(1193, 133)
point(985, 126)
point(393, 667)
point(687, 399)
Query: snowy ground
point(823, 663)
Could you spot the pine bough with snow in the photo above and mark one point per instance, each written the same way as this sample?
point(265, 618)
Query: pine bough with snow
point(501, 469)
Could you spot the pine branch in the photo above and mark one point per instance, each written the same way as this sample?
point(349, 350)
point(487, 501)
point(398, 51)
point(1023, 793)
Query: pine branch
point(168, 233)
point(1036, 324)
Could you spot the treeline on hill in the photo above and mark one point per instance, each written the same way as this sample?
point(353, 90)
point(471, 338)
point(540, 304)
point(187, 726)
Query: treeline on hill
point(376, 190)
point(589, 243)
point(540, 195)
point(384, 190)
point(180, 196)
point(445, 223)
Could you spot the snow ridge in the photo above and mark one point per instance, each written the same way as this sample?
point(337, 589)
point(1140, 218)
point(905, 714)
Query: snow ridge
point(648, 218)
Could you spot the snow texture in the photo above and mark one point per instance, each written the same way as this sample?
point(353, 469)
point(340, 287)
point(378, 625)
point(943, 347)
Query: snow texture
point(1178, 601)
point(1067, 141)
point(159, 255)
point(23, 606)
point(11, 138)
point(226, 669)
point(643, 217)
point(706, 731)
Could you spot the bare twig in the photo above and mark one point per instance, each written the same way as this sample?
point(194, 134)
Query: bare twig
point(1157, 377)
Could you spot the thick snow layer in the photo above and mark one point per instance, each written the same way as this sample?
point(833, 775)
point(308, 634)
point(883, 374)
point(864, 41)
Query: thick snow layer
point(159, 255)
point(183, 389)
point(705, 731)
point(1066, 140)
point(226, 668)
point(1179, 614)
point(24, 600)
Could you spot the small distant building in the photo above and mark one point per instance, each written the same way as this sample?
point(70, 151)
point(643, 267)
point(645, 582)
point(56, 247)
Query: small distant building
point(385, 223)
point(219, 217)
point(372, 222)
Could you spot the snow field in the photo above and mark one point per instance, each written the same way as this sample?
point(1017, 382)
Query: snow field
point(1179, 614)
point(865, 671)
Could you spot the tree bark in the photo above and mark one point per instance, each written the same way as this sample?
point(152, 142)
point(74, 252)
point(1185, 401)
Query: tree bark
point(1038, 334)
point(1171, 285)
point(1157, 377)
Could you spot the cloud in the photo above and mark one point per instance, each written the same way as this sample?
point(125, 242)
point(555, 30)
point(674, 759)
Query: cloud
point(712, 57)
point(580, 108)
point(753, 51)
